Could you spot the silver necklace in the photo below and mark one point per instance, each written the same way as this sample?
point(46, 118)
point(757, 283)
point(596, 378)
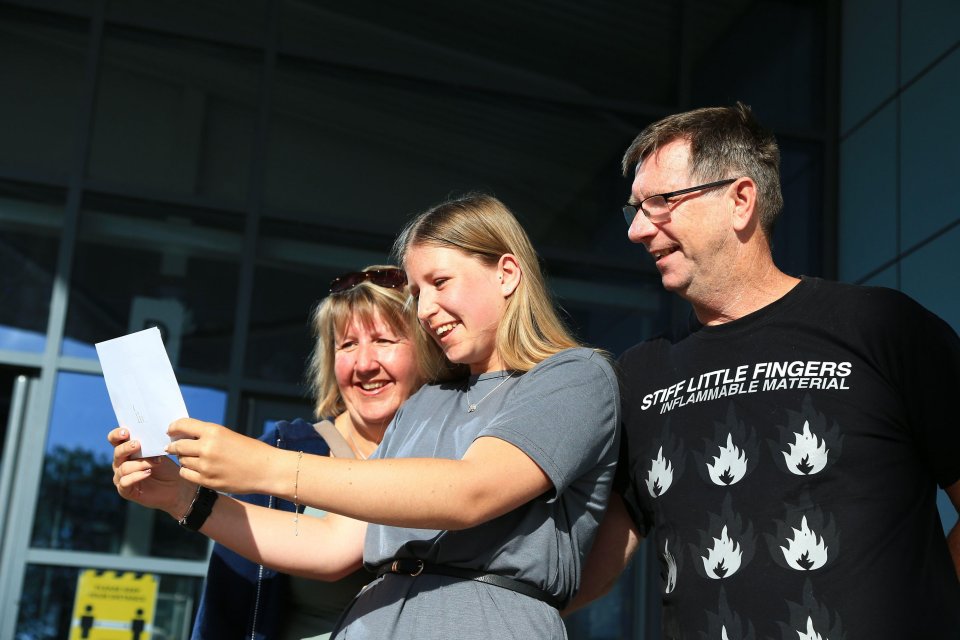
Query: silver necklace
point(472, 406)
point(356, 447)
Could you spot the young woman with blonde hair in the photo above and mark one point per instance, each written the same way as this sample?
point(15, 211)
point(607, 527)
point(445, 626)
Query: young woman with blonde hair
point(485, 494)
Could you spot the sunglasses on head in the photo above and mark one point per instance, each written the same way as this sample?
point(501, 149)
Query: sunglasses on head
point(391, 278)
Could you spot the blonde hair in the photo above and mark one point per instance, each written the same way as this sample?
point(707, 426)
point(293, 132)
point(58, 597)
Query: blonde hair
point(481, 226)
point(362, 303)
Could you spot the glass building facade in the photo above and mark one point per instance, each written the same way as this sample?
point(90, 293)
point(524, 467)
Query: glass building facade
point(899, 155)
point(207, 167)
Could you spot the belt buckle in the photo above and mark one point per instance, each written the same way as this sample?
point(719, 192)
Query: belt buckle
point(395, 568)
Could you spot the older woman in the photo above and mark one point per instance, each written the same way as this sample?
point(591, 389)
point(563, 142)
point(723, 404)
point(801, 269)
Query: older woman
point(364, 366)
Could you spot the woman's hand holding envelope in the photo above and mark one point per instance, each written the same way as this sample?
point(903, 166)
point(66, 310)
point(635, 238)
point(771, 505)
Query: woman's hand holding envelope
point(219, 458)
point(153, 482)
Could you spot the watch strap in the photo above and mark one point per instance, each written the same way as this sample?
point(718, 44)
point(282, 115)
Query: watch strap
point(200, 509)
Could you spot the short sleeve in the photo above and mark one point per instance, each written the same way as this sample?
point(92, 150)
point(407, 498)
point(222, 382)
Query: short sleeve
point(564, 414)
point(930, 382)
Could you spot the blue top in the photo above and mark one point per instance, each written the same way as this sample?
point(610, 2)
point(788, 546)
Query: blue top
point(242, 599)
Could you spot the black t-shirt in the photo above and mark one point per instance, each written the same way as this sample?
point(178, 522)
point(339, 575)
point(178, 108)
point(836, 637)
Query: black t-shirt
point(786, 467)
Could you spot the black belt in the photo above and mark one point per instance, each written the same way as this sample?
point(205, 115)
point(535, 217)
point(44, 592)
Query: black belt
point(414, 567)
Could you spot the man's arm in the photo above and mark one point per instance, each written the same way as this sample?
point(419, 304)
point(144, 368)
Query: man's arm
point(617, 540)
point(953, 538)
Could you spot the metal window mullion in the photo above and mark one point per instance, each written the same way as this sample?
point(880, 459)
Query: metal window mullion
point(898, 150)
point(255, 200)
point(684, 63)
point(115, 562)
point(11, 447)
point(830, 220)
point(30, 457)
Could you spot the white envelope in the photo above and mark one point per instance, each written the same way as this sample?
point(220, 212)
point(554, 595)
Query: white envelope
point(143, 388)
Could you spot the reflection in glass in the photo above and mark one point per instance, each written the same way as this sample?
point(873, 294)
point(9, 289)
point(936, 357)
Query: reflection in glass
point(791, 42)
point(331, 141)
point(30, 223)
point(612, 328)
point(797, 245)
point(78, 507)
point(41, 72)
point(242, 21)
point(47, 601)
point(142, 264)
point(539, 49)
point(191, 109)
point(295, 263)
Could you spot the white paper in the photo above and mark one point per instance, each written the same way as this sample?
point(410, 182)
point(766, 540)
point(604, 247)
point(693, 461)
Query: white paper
point(143, 389)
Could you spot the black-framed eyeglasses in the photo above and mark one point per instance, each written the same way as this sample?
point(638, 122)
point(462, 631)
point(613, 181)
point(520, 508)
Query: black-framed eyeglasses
point(391, 278)
point(657, 208)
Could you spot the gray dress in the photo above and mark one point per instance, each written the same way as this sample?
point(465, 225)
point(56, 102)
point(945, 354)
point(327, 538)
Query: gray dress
point(564, 414)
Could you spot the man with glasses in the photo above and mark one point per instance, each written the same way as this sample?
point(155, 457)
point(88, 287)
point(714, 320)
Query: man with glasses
point(783, 448)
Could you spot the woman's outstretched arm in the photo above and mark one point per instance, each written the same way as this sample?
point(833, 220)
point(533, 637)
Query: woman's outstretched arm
point(325, 548)
point(493, 478)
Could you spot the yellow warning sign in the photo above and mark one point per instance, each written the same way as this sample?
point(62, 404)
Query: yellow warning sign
point(113, 605)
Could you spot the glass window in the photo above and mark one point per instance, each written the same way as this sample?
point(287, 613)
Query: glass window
point(79, 508)
point(79, 7)
point(578, 54)
point(787, 41)
point(929, 138)
point(797, 233)
point(140, 264)
point(42, 73)
point(191, 109)
point(615, 314)
point(610, 617)
point(632, 607)
point(867, 225)
point(295, 264)
point(332, 143)
point(928, 30)
point(30, 223)
point(210, 18)
point(49, 597)
point(869, 62)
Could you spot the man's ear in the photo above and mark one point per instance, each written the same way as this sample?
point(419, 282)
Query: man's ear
point(744, 201)
point(509, 274)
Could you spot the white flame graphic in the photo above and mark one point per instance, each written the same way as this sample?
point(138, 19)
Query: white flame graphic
point(723, 560)
point(671, 567)
point(811, 633)
point(806, 551)
point(728, 467)
point(723, 633)
point(808, 454)
point(660, 476)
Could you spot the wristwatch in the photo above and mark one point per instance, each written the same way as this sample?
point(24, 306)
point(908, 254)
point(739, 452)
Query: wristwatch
point(199, 510)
